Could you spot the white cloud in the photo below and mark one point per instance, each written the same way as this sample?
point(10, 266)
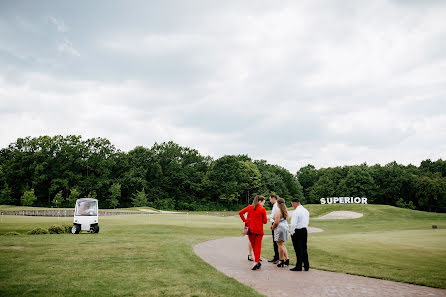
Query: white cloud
point(58, 23)
point(66, 46)
point(306, 82)
point(153, 44)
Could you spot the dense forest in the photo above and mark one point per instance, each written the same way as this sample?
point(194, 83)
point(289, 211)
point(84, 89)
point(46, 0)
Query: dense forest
point(55, 171)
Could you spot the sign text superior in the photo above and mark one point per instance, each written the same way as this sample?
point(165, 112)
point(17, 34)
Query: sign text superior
point(333, 200)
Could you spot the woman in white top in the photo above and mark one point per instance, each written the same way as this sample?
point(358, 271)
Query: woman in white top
point(281, 232)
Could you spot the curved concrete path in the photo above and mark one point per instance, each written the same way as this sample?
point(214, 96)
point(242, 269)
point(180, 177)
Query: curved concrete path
point(229, 255)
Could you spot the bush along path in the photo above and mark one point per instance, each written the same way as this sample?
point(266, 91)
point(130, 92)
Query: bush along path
point(229, 255)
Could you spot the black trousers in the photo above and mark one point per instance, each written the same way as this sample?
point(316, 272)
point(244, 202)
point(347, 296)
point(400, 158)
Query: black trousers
point(300, 247)
point(276, 248)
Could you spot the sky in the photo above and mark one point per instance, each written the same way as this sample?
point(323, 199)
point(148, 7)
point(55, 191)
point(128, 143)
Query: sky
point(327, 83)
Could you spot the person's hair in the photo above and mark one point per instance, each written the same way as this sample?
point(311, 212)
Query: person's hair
point(257, 200)
point(295, 200)
point(273, 196)
point(282, 206)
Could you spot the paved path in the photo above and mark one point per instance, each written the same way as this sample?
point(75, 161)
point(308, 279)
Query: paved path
point(229, 255)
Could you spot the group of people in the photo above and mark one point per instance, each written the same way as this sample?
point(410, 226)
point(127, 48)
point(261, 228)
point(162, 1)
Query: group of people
point(254, 216)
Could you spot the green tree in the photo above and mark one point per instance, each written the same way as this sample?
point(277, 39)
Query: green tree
point(28, 198)
point(357, 183)
point(115, 194)
point(140, 198)
point(233, 179)
point(92, 194)
point(176, 177)
point(392, 182)
point(431, 192)
point(58, 199)
point(5, 195)
point(324, 187)
point(328, 183)
point(74, 195)
point(307, 177)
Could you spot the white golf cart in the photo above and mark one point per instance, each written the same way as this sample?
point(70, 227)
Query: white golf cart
point(86, 216)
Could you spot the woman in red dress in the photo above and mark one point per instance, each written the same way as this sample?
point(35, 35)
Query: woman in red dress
point(257, 218)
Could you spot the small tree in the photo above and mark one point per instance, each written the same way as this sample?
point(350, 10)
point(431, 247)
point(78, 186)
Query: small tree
point(74, 194)
point(28, 198)
point(92, 195)
point(140, 198)
point(58, 199)
point(115, 194)
point(5, 195)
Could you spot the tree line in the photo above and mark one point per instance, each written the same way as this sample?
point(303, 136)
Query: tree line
point(422, 187)
point(55, 171)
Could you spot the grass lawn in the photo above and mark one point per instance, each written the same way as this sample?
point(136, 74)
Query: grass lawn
point(151, 255)
point(387, 242)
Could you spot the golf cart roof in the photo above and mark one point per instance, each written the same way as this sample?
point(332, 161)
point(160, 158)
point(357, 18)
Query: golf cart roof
point(86, 199)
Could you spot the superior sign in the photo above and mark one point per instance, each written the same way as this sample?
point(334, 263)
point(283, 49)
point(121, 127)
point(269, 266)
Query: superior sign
point(334, 200)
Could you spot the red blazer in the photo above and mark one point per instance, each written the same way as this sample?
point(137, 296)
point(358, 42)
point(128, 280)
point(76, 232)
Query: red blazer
point(255, 219)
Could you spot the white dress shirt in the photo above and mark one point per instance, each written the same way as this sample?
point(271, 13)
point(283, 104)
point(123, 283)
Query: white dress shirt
point(272, 218)
point(300, 218)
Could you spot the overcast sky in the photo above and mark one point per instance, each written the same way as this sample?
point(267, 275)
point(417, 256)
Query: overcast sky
point(292, 82)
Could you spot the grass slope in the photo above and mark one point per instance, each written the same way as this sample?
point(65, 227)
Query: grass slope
point(151, 255)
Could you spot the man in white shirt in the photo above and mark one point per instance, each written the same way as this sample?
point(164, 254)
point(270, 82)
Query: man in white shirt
point(273, 200)
point(299, 235)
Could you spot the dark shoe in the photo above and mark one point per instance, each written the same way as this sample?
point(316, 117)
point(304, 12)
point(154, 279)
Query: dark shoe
point(281, 263)
point(273, 260)
point(257, 266)
point(306, 269)
point(287, 262)
point(296, 269)
point(249, 258)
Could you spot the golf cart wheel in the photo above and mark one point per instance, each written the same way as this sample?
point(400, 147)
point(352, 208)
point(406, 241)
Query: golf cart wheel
point(96, 229)
point(76, 229)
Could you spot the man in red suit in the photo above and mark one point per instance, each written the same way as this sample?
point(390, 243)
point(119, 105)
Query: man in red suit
point(257, 218)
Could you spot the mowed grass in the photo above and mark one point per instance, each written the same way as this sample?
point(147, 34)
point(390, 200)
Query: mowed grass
point(387, 242)
point(134, 255)
point(152, 255)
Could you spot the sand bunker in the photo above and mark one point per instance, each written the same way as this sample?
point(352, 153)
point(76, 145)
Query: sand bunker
point(159, 211)
point(340, 215)
point(149, 210)
point(13, 247)
point(314, 230)
point(167, 211)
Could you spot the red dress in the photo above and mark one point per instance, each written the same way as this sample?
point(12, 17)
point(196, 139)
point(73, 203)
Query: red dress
point(255, 219)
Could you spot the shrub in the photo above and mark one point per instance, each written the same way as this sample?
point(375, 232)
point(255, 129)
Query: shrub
point(67, 228)
point(56, 229)
point(11, 233)
point(38, 231)
point(400, 203)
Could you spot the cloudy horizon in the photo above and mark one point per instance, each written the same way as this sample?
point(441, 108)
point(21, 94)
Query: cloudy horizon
point(295, 83)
